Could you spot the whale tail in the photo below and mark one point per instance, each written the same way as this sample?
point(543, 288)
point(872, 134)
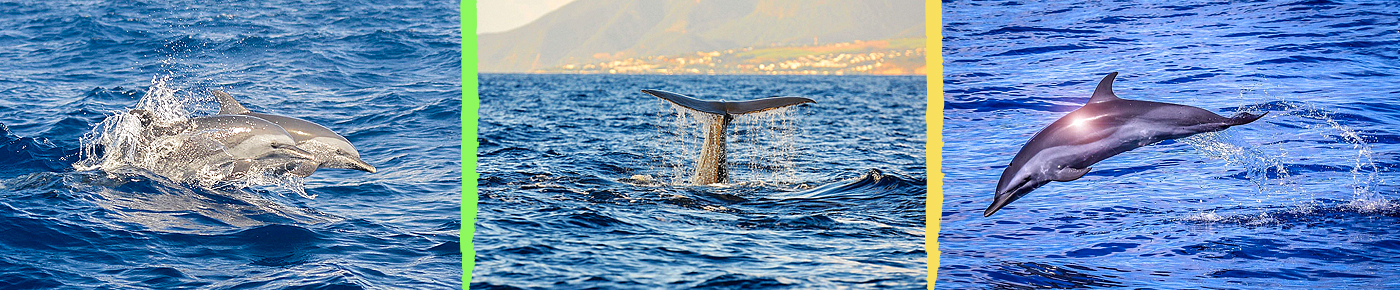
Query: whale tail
point(710, 165)
point(1244, 118)
point(728, 108)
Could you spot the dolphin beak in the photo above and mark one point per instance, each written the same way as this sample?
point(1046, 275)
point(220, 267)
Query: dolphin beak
point(996, 205)
point(1004, 198)
point(361, 165)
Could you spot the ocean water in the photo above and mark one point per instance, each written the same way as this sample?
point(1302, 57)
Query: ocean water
point(583, 185)
point(1305, 197)
point(384, 75)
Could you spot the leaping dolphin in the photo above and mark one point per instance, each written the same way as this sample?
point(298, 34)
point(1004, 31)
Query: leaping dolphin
point(239, 143)
point(710, 166)
point(331, 149)
point(1104, 127)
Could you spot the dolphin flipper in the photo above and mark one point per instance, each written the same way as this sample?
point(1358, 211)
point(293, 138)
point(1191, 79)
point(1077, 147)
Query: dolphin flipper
point(1070, 174)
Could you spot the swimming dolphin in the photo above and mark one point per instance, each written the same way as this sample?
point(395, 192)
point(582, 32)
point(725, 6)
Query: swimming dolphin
point(1104, 127)
point(235, 141)
point(331, 149)
point(710, 166)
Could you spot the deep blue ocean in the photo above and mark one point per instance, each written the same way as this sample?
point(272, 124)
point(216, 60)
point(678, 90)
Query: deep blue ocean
point(583, 185)
point(384, 74)
point(1305, 197)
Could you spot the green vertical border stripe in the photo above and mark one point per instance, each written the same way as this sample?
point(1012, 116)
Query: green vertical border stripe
point(470, 103)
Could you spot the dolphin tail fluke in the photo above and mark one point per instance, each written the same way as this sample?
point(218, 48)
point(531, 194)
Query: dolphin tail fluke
point(227, 105)
point(728, 108)
point(1244, 118)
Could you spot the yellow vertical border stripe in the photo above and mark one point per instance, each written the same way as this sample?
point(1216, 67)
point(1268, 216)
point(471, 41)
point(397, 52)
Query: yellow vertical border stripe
point(933, 146)
point(470, 103)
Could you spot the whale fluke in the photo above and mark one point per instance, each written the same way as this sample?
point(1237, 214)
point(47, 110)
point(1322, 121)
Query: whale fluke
point(1103, 127)
point(730, 108)
point(710, 165)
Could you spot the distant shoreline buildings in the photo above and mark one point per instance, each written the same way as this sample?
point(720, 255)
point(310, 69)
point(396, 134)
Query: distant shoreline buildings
point(883, 57)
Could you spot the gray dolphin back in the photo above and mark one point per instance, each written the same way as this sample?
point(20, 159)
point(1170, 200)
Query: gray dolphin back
point(248, 127)
point(300, 130)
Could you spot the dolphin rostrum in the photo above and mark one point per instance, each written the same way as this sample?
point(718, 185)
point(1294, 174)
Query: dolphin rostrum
point(1104, 127)
point(710, 165)
point(235, 142)
point(331, 149)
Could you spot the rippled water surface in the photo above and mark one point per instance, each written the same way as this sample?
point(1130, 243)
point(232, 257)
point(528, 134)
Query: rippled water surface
point(583, 185)
point(1304, 196)
point(384, 75)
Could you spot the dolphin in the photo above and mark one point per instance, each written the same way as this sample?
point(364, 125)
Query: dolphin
point(1102, 128)
point(710, 166)
point(239, 142)
point(331, 149)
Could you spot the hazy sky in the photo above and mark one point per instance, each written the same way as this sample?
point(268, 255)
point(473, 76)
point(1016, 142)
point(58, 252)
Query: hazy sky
point(502, 15)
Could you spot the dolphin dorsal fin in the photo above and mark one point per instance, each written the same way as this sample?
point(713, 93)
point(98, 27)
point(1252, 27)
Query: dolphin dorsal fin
point(227, 105)
point(1104, 92)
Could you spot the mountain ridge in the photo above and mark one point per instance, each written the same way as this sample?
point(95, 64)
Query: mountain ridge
point(586, 31)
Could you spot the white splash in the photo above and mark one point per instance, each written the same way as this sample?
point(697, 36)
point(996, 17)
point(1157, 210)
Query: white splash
point(120, 143)
point(765, 141)
point(1266, 165)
